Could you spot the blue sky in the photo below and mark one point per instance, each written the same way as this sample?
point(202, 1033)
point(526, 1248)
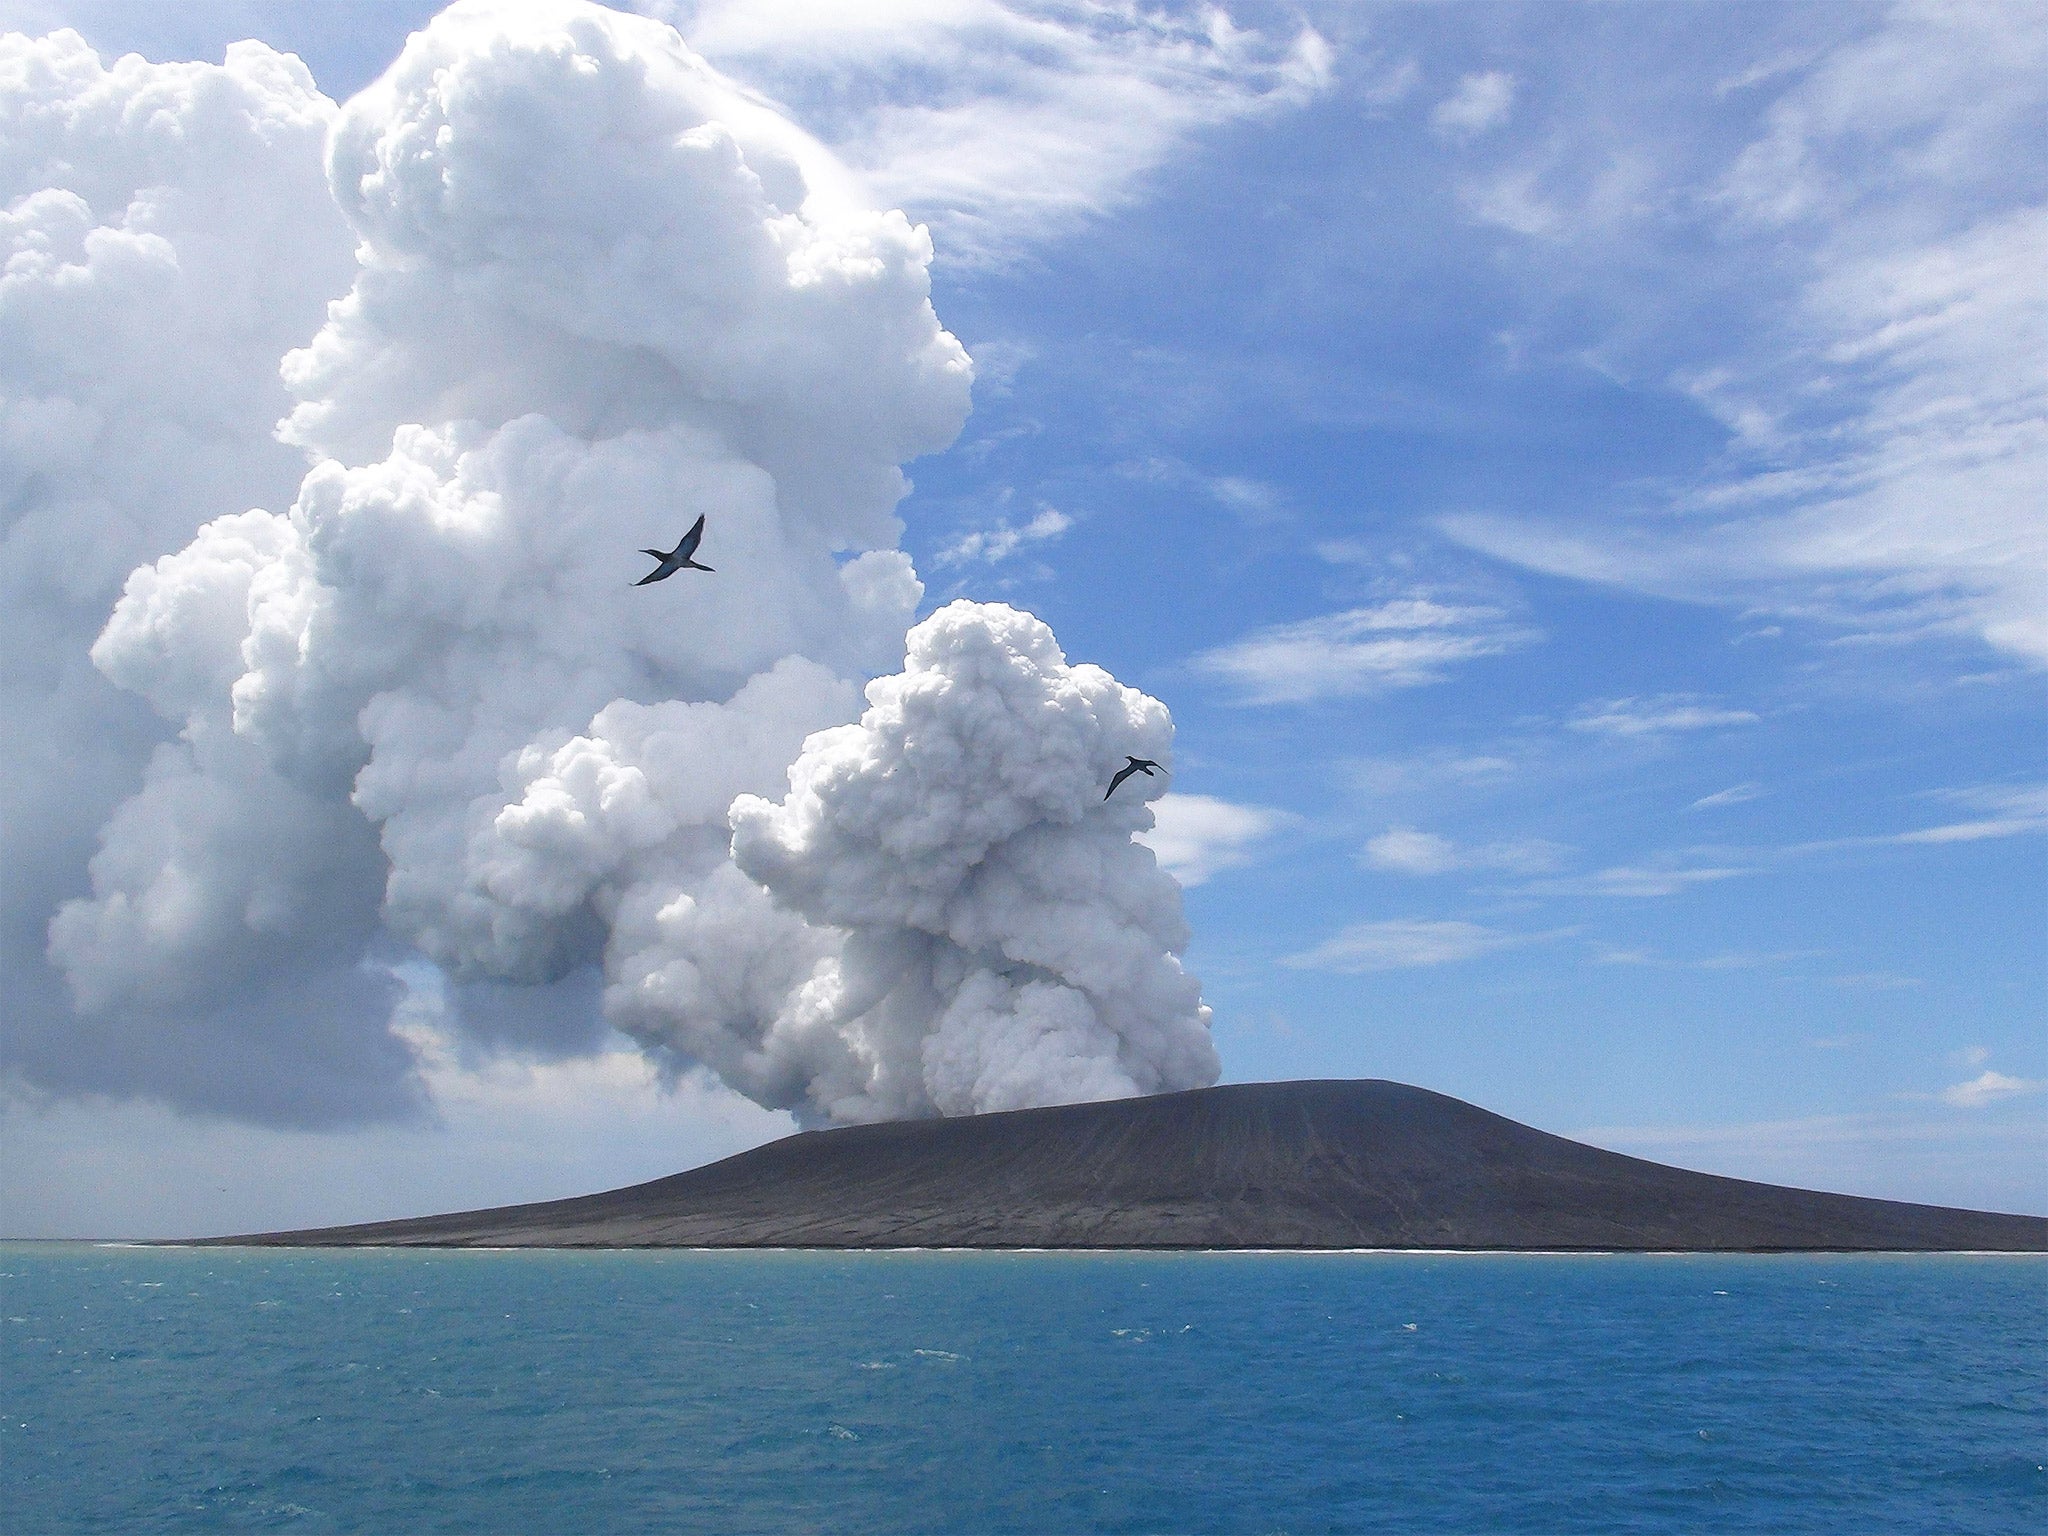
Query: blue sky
point(1680, 824)
point(1576, 476)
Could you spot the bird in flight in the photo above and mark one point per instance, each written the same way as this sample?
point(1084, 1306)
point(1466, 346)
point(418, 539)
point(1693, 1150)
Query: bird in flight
point(677, 559)
point(1132, 765)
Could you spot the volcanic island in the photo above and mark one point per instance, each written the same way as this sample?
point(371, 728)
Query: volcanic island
point(1303, 1165)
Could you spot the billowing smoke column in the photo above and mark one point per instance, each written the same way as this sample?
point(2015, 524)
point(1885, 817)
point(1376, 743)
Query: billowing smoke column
point(997, 940)
point(599, 292)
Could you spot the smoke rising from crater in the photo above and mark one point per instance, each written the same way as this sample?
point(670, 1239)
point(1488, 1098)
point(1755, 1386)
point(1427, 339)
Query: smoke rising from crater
point(1007, 943)
point(598, 290)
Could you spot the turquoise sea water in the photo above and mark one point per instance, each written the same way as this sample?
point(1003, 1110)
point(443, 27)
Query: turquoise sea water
point(385, 1391)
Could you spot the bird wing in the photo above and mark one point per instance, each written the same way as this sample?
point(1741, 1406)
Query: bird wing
point(661, 570)
point(1121, 775)
point(691, 539)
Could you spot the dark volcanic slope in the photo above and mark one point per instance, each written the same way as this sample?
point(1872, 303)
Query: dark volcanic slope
point(1257, 1165)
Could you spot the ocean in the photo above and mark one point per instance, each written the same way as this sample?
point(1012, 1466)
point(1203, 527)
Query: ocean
point(397, 1391)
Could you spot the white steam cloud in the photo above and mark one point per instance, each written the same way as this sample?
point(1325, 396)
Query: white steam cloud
point(166, 232)
point(598, 291)
point(1007, 942)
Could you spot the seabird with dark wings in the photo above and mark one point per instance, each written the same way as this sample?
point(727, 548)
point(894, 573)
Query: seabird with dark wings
point(677, 559)
point(1132, 765)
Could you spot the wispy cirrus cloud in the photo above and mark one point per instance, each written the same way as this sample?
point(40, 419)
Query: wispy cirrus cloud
point(1886, 409)
point(1989, 1087)
point(1658, 716)
point(1432, 772)
point(2024, 807)
point(1728, 960)
point(1001, 122)
point(1258, 502)
point(1735, 794)
point(1481, 102)
point(1399, 944)
point(1638, 881)
point(1966, 831)
point(1407, 851)
point(1876, 981)
point(2012, 811)
point(1404, 642)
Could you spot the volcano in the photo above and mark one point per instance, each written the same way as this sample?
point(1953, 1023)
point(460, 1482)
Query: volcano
point(1363, 1164)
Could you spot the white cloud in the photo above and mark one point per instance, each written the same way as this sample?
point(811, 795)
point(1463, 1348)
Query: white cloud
point(166, 233)
point(1949, 90)
point(1514, 200)
point(1404, 642)
point(1876, 981)
point(1930, 505)
point(1629, 718)
point(1887, 441)
point(1409, 852)
point(1196, 836)
point(1406, 851)
point(1431, 772)
point(2017, 812)
point(1383, 84)
point(1007, 123)
point(2013, 802)
point(1989, 1087)
point(1405, 944)
point(991, 546)
point(1637, 881)
point(1258, 502)
point(1254, 500)
point(1735, 794)
point(1972, 831)
point(1733, 960)
point(1773, 67)
point(1480, 102)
